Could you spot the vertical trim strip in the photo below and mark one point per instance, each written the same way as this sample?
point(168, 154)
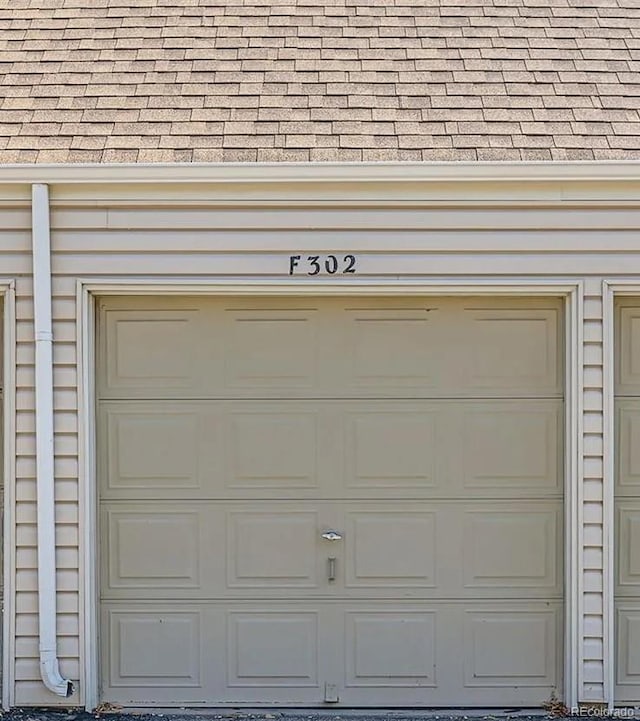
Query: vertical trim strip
point(574, 497)
point(85, 333)
point(9, 465)
point(608, 500)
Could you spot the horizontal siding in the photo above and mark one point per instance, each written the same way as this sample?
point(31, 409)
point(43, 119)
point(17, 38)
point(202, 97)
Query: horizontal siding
point(26, 669)
point(337, 218)
point(67, 536)
point(275, 264)
point(27, 674)
point(67, 602)
point(66, 422)
point(15, 263)
point(27, 647)
point(27, 580)
point(34, 693)
point(28, 687)
point(373, 240)
point(66, 624)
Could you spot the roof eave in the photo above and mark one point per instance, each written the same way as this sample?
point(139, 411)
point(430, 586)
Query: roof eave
point(348, 172)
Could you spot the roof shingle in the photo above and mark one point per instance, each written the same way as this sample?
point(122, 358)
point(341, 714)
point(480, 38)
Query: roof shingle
point(318, 80)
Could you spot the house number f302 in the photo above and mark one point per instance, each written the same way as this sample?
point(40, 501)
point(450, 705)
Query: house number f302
point(322, 264)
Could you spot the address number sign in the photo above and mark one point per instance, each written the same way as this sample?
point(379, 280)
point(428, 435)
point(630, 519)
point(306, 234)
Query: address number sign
point(322, 264)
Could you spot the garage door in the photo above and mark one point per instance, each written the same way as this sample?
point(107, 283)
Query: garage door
point(308, 501)
point(627, 500)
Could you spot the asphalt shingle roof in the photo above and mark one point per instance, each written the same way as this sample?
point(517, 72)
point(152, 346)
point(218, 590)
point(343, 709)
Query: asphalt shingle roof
point(318, 80)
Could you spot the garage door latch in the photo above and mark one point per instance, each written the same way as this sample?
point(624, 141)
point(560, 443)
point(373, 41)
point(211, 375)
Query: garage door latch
point(331, 693)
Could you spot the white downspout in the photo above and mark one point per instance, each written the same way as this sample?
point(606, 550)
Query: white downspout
point(49, 666)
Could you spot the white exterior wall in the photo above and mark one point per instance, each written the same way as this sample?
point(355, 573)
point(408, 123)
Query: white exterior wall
point(207, 232)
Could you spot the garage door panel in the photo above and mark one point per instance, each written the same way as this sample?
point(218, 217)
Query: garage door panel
point(275, 548)
point(444, 549)
point(224, 348)
point(276, 448)
point(628, 649)
point(512, 351)
point(265, 348)
point(213, 449)
point(628, 547)
point(272, 648)
point(628, 456)
point(155, 548)
point(512, 548)
point(494, 647)
point(469, 653)
point(155, 447)
point(393, 648)
point(389, 347)
point(392, 448)
point(314, 449)
point(628, 348)
point(278, 652)
point(214, 550)
point(512, 445)
point(145, 353)
point(446, 449)
point(391, 548)
point(155, 647)
point(218, 651)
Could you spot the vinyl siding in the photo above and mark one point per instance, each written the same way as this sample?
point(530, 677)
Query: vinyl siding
point(174, 233)
point(15, 263)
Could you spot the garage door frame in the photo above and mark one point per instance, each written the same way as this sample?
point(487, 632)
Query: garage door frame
point(571, 290)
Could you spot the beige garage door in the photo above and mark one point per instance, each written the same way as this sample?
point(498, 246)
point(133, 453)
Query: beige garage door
point(627, 503)
point(308, 501)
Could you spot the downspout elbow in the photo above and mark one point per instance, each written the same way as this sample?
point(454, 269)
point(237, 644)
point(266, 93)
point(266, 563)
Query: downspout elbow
point(51, 676)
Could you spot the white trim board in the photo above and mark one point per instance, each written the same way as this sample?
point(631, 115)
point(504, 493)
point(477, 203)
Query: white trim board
point(469, 285)
point(526, 171)
point(7, 290)
point(573, 499)
point(589, 184)
point(571, 289)
point(87, 500)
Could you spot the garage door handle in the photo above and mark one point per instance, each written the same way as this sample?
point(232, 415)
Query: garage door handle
point(332, 536)
point(331, 569)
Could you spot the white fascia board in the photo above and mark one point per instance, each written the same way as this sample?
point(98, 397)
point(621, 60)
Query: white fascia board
point(352, 172)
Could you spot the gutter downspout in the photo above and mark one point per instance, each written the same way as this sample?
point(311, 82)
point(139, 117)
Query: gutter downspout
point(49, 665)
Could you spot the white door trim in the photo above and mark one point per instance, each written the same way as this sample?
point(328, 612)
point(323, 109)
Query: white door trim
point(87, 499)
point(7, 290)
point(610, 290)
point(570, 289)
